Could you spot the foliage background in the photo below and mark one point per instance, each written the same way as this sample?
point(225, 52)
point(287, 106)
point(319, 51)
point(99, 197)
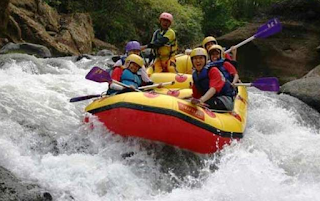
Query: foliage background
point(118, 21)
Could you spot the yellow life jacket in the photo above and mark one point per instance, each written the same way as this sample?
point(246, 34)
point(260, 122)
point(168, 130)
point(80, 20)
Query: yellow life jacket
point(170, 48)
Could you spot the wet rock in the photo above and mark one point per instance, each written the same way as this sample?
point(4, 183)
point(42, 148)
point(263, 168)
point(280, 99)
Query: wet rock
point(78, 58)
point(3, 41)
point(27, 48)
point(306, 89)
point(4, 15)
point(101, 45)
point(36, 22)
point(11, 188)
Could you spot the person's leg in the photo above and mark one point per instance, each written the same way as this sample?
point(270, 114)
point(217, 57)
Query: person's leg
point(220, 103)
point(157, 66)
point(171, 65)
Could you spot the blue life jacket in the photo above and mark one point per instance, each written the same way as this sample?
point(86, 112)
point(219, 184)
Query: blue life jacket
point(130, 78)
point(219, 64)
point(202, 83)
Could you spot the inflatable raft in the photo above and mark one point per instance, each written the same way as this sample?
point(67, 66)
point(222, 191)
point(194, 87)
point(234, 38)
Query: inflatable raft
point(172, 120)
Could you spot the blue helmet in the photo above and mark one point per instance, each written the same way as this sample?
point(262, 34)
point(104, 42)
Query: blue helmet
point(132, 45)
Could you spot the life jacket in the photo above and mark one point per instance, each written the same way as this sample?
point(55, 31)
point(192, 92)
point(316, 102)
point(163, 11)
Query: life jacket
point(202, 83)
point(130, 78)
point(170, 48)
point(123, 59)
point(219, 64)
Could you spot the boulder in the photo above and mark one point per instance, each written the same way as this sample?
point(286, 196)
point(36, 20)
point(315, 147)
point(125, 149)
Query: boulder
point(36, 22)
point(4, 16)
point(3, 41)
point(78, 58)
point(11, 188)
point(314, 72)
point(100, 45)
point(306, 89)
point(27, 48)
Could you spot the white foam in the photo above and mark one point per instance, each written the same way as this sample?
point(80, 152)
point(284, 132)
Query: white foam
point(43, 140)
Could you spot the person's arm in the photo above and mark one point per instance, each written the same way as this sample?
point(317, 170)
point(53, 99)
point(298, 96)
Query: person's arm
point(207, 95)
point(162, 40)
point(117, 64)
point(116, 87)
point(233, 71)
point(158, 43)
point(116, 74)
point(234, 53)
point(235, 80)
point(216, 84)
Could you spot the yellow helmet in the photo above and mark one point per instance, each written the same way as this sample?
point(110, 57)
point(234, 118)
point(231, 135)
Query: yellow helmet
point(134, 58)
point(207, 40)
point(217, 47)
point(199, 51)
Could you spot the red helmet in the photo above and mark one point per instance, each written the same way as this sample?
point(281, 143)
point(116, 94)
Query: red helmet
point(166, 16)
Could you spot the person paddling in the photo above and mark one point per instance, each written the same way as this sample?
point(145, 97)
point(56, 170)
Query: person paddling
point(129, 75)
point(132, 47)
point(217, 59)
point(209, 85)
point(164, 44)
point(210, 40)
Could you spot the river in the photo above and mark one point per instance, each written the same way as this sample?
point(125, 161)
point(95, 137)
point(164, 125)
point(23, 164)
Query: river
point(44, 141)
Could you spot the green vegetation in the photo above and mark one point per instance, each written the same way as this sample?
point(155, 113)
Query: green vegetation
point(118, 21)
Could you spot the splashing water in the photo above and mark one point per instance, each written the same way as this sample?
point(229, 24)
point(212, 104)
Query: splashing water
point(43, 140)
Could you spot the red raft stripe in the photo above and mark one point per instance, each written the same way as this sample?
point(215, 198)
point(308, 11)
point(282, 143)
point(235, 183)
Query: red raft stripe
point(163, 128)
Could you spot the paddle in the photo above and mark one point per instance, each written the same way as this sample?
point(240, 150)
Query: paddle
point(264, 84)
point(271, 27)
point(156, 85)
point(81, 98)
point(97, 74)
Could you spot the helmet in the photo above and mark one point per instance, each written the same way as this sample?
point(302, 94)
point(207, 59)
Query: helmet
point(166, 16)
point(207, 40)
point(199, 51)
point(132, 45)
point(135, 59)
point(217, 47)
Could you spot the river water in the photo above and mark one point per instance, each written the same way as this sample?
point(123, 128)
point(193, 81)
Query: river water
point(44, 141)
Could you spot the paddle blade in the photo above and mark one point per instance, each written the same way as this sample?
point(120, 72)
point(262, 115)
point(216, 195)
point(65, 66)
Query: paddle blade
point(81, 98)
point(271, 27)
point(98, 75)
point(267, 84)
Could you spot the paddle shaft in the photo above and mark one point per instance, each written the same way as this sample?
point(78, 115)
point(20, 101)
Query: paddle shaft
point(242, 43)
point(81, 98)
point(243, 84)
point(156, 85)
point(124, 85)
